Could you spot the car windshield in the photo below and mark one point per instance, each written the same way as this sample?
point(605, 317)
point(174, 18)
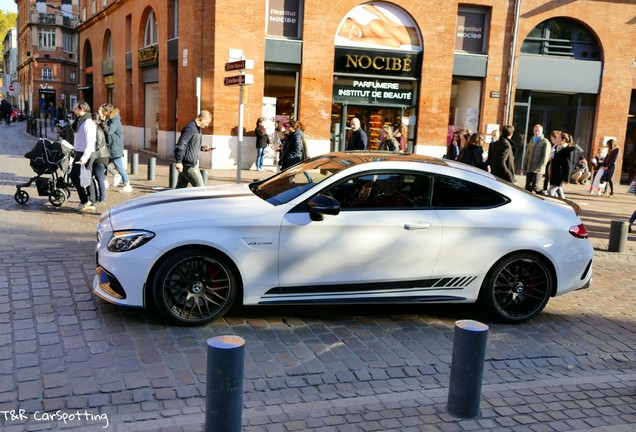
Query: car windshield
point(288, 184)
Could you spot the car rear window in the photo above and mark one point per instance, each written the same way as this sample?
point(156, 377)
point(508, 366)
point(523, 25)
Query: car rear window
point(450, 192)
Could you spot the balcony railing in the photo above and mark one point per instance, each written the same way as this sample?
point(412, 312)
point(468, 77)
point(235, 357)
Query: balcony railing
point(54, 19)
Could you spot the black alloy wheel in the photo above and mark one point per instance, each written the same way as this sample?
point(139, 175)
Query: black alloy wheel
point(517, 288)
point(194, 286)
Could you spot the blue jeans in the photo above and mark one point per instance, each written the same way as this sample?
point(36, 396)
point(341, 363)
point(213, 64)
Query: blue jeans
point(119, 165)
point(98, 194)
point(259, 157)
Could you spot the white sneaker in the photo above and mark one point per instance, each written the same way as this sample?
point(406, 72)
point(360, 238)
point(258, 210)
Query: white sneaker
point(86, 206)
point(116, 180)
point(127, 188)
point(106, 185)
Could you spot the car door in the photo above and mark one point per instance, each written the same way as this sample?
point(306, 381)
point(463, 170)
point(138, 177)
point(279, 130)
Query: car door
point(374, 238)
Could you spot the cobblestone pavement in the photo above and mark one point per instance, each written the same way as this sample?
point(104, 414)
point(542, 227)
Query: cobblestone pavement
point(69, 361)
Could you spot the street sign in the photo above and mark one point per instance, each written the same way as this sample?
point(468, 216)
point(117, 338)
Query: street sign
point(235, 65)
point(239, 80)
point(239, 65)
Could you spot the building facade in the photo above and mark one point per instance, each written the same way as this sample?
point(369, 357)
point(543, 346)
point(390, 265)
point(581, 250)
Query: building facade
point(10, 85)
point(47, 57)
point(426, 67)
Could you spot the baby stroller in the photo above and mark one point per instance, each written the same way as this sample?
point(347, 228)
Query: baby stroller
point(54, 158)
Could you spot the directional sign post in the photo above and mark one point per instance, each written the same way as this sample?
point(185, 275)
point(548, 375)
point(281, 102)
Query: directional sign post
point(239, 80)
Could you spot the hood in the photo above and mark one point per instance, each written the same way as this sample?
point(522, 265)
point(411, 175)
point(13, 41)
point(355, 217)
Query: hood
point(182, 206)
point(114, 113)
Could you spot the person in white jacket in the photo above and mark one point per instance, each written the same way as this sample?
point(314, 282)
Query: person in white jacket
point(84, 142)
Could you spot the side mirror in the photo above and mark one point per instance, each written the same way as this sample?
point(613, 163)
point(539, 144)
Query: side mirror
point(321, 205)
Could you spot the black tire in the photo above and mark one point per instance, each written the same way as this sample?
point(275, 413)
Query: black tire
point(194, 286)
point(21, 196)
point(57, 197)
point(517, 288)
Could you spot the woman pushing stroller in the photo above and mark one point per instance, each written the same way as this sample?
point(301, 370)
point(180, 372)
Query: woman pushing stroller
point(84, 142)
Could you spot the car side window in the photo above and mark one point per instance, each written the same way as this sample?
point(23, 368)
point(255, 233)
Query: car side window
point(383, 190)
point(450, 192)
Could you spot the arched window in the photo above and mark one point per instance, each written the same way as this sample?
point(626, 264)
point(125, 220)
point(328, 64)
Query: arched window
point(562, 37)
point(151, 35)
point(109, 47)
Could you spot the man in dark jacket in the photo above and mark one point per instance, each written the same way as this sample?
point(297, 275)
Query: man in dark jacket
point(358, 139)
point(500, 155)
point(186, 151)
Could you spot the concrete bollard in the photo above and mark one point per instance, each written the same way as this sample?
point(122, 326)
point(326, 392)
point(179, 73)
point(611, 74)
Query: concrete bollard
point(134, 164)
point(173, 175)
point(204, 176)
point(224, 387)
point(467, 369)
point(152, 168)
point(618, 236)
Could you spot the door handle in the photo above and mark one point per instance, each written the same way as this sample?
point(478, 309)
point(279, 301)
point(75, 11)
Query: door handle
point(417, 226)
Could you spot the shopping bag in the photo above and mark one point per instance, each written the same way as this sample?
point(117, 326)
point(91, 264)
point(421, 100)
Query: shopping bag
point(85, 177)
point(632, 187)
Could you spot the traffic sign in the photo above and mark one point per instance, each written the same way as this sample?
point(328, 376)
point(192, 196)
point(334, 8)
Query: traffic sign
point(239, 65)
point(239, 80)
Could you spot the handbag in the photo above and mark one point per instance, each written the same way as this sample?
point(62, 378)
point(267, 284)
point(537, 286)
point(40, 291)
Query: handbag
point(85, 177)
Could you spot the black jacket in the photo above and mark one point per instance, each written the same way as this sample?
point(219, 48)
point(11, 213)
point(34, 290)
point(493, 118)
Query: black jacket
point(501, 160)
point(187, 149)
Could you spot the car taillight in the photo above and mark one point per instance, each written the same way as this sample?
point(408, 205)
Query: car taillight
point(579, 231)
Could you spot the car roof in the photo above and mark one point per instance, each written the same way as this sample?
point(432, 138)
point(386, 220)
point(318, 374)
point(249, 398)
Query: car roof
point(353, 158)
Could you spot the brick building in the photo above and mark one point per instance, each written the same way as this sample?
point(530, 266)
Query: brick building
point(47, 62)
point(431, 66)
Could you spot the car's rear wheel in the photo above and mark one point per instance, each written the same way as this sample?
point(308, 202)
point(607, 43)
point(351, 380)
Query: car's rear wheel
point(517, 288)
point(194, 286)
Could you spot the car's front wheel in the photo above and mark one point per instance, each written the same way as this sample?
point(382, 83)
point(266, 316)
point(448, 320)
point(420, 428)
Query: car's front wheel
point(517, 288)
point(194, 286)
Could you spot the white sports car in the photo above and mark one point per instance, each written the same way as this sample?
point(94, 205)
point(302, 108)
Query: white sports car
point(348, 227)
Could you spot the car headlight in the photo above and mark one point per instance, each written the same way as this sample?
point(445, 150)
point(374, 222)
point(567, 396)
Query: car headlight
point(124, 241)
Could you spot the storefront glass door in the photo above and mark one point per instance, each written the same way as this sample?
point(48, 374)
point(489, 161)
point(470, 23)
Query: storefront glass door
point(372, 119)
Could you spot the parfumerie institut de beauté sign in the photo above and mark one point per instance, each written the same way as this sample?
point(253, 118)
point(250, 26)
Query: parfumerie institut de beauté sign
point(359, 77)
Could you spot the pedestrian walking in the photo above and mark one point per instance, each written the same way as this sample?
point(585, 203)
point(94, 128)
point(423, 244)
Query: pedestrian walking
point(500, 155)
point(115, 141)
point(97, 189)
point(262, 141)
point(84, 143)
point(293, 147)
point(609, 165)
point(358, 139)
point(561, 167)
point(187, 149)
point(536, 158)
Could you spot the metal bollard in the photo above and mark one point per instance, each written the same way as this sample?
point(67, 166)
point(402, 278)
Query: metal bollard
point(618, 236)
point(224, 387)
point(469, 353)
point(134, 164)
point(204, 176)
point(172, 176)
point(152, 168)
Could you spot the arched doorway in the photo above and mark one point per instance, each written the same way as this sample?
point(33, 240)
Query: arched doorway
point(559, 78)
point(376, 71)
